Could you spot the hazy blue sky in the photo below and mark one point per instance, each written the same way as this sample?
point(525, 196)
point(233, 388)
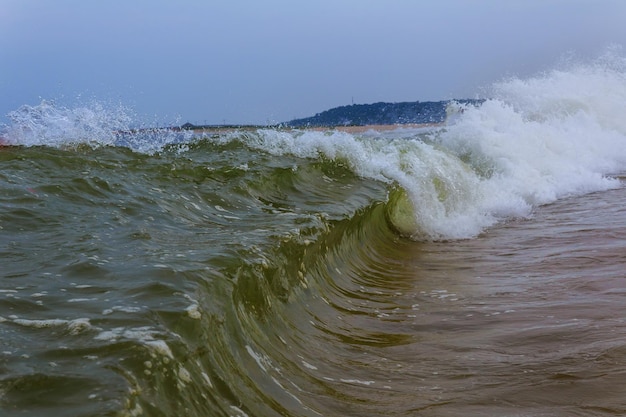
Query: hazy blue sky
point(253, 61)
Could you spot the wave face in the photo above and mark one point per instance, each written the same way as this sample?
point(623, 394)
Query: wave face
point(292, 272)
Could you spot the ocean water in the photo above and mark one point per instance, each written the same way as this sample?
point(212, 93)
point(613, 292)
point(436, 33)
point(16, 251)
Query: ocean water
point(474, 268)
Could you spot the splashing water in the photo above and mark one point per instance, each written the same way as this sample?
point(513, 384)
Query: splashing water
point(50, 124)
point(532, 142)
point(282, 272)
point(53, 125)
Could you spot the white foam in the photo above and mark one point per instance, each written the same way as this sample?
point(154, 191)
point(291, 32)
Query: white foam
point(93, 123)
point(184, 375)
point(144, 335)
point(357, 381)
point(40, 324)
point(74, 327)
point(560, 134)
point(535, 140)
point(206, 378)
point(259, 359)
point(124, 309)
point(54, 125)
point(532, 142)
point(239, 411)
point(78, 326)
point(160, 347)
point(81, 300)
point(194, 311)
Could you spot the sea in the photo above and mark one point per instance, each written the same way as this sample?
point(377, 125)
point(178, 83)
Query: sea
point(472, 268)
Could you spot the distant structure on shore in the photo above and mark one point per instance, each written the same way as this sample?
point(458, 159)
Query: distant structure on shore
point(380, 114)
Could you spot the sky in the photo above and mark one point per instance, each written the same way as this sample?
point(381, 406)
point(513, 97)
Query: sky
point(261, 62)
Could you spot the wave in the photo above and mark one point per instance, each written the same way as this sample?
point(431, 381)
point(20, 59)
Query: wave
point(534, 141)
point(234, 274)
point(531, 142)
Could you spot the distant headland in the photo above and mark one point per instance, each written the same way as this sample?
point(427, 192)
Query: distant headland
point(415, 112)
point(358, 115)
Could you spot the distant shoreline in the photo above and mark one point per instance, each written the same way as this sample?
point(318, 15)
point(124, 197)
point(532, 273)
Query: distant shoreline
point(217, 130)
point(375, 128)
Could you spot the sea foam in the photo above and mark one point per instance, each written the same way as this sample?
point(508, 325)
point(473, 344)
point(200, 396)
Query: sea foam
point(537, 140)
point(94, 124)
point(530, 142)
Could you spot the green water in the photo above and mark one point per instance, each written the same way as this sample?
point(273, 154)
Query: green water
point(216, 279)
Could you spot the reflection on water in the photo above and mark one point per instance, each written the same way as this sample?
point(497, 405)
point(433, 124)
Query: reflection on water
point(527, 319)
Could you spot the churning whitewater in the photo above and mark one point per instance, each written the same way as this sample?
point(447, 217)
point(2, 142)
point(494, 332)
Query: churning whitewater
point(533, 142)
point(470, 267)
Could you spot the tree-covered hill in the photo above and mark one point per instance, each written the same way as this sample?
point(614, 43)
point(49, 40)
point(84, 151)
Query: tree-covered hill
point(378, 114)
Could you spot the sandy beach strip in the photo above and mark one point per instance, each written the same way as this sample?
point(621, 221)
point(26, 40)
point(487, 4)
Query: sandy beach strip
point(218, 130)
point(375, 128)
